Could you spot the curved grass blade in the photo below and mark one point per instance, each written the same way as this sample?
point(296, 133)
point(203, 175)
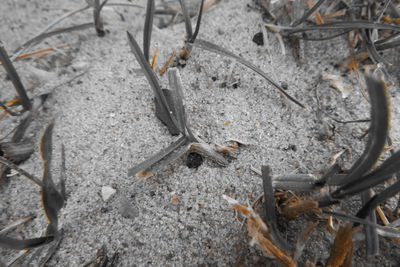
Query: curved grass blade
point(377, 176)
point(163, 154)
point(186, 17)
point(371, 236)
point(12, 73)
point(52, 249)
point(12, 243)
point(387, 45)
point(98, 23)
point(219, 50)
point(45, 35)
point(52, 199)
point(379, 15)
point(343, 25)
point(148, 26)
point(372, 52)
point(378, 132)
point(15, 224)
point(196, 31)
point(269, 206)
point(324, 38)
point(153, 81)
point(378, 199)
point(49, 26)
point(307, 14)
point(386, 231)
point(11, 165)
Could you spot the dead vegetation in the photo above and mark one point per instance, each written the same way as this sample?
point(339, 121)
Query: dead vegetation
point(371, 28)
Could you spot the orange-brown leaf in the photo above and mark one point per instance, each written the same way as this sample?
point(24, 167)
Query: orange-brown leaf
point(297, 208)
point(342, 246)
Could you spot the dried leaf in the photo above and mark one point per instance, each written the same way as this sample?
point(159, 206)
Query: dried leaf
point(342, 245)
point(297, 208)
point(337, 82)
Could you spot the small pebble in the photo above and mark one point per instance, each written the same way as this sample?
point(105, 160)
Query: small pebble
point(107, 192)
point(258, 38)
point(194, 160)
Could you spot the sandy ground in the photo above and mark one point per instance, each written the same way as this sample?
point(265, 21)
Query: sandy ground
point(105, 118)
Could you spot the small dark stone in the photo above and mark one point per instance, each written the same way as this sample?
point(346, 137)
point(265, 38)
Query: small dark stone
point(213, 78)
point(236, 85)
point(293, 147)
point(152, 193)
point(194, 160)
point(284, 85)
point(259, 38)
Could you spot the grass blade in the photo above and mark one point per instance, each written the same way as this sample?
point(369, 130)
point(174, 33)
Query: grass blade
point(12, 243)
point(153, 81)
point(386, 231)
point(98, 22)
point(15, 224)
point(149, 163)
point(378, 199)
point(269, 206)
point(371, 236)
point(196, 31)
point(342, 25)
point(45, 35)
point(52, 249)
point(219, 50)
point(378, 132)
point(208, 151)
point(167, 118)
point(186, 17)
point(148, 26)
point(22, 172)
point(12, 73)
point(52, 199)
point(175, 84)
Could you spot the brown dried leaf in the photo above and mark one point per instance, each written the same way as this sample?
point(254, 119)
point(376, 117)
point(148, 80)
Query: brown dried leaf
point(258, 231)
point(342, 246)
point(338, 83)
point(144, 175)
point(297, 208)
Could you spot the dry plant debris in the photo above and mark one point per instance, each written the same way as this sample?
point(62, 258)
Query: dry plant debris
point(371, 29)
